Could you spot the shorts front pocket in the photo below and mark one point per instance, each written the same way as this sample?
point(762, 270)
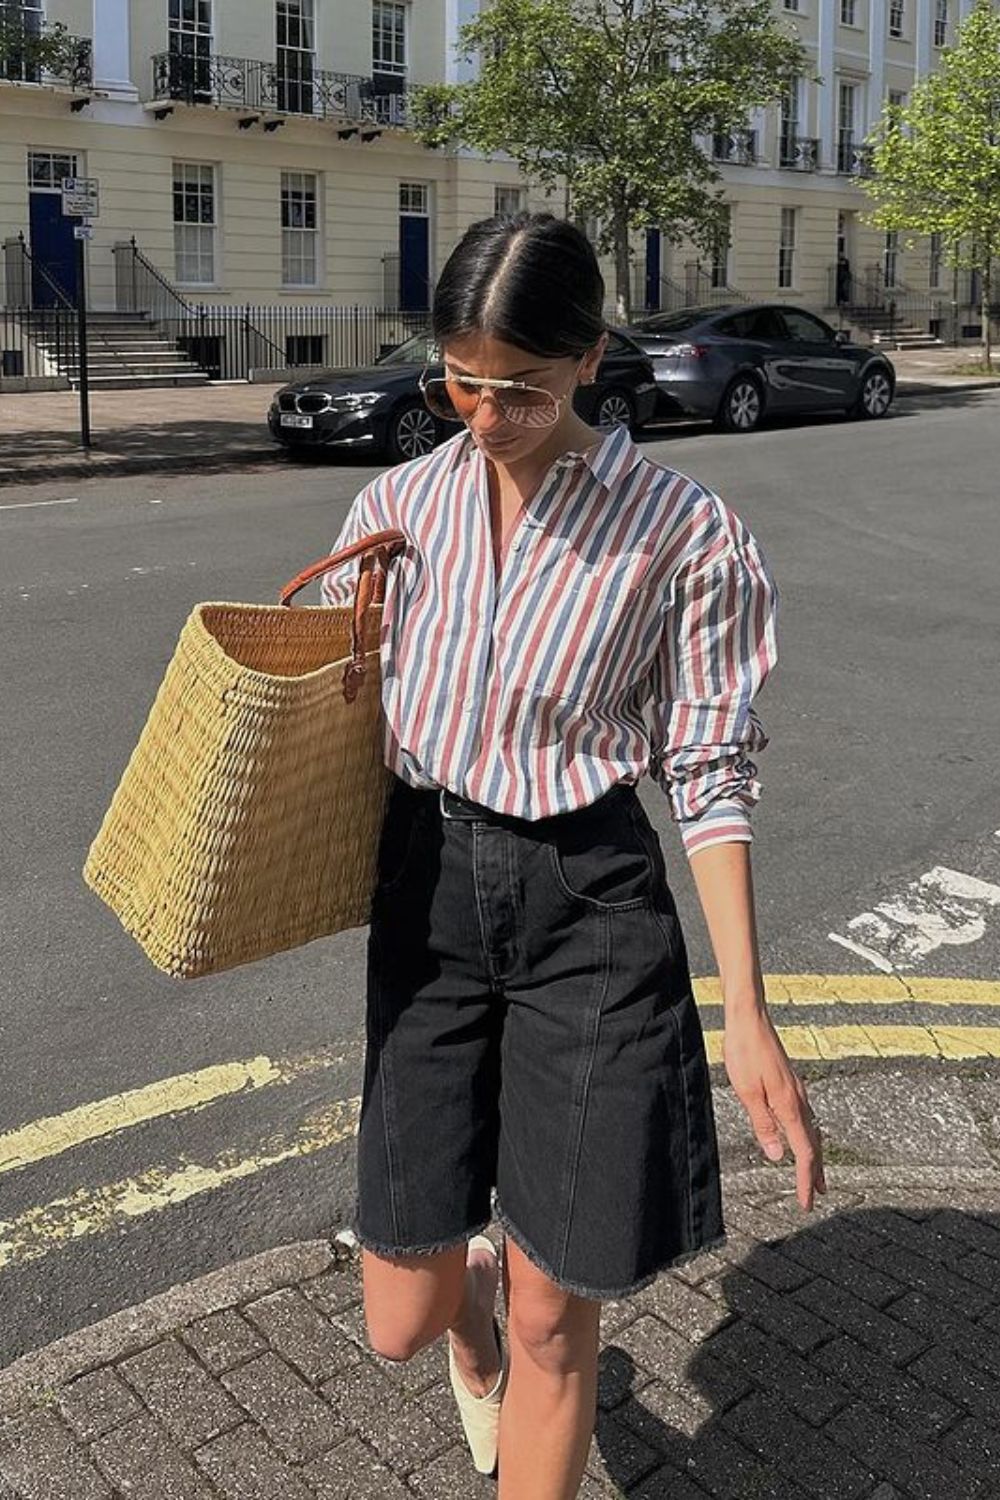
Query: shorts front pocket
point(608, 867)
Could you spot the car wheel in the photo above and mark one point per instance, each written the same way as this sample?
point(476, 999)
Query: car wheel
point(413, 432)
point(614, 407)
point(742, 405)
point(875, 395)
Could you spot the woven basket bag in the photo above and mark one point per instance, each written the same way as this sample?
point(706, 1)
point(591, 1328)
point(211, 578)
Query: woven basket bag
point(247, 819)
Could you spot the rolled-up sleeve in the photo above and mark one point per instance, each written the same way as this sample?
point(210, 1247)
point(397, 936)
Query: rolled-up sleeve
point(718, 647)
point(366, 515)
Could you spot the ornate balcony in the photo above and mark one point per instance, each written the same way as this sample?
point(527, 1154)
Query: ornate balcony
point(853, 159)
point(286, 87)
point(737, 147)
point(39, 53)
point(799, 153)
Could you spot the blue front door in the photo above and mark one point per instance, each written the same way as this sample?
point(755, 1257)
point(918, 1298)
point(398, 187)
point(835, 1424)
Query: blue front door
point(52, 249)
point(652, 270)
point(414, 262)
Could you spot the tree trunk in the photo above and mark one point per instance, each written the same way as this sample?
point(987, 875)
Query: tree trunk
point(623, 269)
point(986, 299)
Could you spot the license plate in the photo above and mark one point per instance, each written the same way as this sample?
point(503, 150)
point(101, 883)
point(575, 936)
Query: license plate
point(291, 419)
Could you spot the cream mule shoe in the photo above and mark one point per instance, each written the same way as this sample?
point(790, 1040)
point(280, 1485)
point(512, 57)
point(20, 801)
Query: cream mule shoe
point(481, 1414)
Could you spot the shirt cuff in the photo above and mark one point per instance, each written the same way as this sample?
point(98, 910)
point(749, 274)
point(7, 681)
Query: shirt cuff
point(722, 823)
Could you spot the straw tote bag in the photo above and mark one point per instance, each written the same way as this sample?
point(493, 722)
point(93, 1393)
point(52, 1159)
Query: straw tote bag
point(247, 819)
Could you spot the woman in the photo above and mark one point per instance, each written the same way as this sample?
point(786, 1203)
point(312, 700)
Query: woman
point(565, 616)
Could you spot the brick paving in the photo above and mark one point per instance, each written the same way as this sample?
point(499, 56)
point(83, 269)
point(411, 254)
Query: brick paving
point(849, 1354)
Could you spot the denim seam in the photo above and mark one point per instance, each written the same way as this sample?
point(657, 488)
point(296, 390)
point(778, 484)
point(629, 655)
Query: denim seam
point(484, 936)
point(672, 1010)
point(386, 1069)
point(581, 1085)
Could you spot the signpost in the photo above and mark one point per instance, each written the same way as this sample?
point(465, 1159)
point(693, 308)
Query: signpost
point(81, 199)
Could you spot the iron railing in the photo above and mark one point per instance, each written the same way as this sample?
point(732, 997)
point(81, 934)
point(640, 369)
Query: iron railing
point(35, 52)
point(854, 158)
point(736, 147)
point(36, 343)
point(284, 86)
point(24, 273)
point(798, 153)
point(703, 288)
point(652, 294)
point(140, 288)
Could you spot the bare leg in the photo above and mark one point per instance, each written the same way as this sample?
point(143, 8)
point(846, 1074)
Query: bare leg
point(548, 1412)
point(472, 1337)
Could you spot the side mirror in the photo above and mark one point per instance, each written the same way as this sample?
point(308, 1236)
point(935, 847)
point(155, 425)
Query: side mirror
point(842, 336)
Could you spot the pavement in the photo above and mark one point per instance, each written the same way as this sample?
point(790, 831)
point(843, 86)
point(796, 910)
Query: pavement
point(220, 426)
point(852, 1353)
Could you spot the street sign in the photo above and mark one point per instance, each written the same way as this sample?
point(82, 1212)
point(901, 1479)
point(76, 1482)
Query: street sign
point(80, 196)
point(83, 231)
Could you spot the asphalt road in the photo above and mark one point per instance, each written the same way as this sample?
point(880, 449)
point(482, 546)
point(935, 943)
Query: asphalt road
point(884, 716)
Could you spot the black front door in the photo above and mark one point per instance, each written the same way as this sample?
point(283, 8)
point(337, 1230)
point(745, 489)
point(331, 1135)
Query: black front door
point(53, 251)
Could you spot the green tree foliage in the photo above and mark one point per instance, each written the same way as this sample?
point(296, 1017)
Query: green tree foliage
point(27, 50)
point(609, 98)
point(936, 159)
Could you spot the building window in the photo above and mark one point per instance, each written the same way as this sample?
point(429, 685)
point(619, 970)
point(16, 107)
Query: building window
point(941, 23)
point(896, 18)
point(719, 269)
point(897, 98)
point(788, 129)
point(845, 127)
point(507, 200)
point(189, 40)
point(786, 249)
point(25, 18)
point(194, 223)
point(46, 169)
point(388, 37)
point(848, 13)
point(414, 198)
point(890, 257)
point(936, 257)
point(305, 349)
point(296, 55)
point(791, 4)
point(298, 229)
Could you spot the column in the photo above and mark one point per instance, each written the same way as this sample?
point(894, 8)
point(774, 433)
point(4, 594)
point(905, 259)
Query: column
point(112, 50)
point(828, 88)
point(878, 22)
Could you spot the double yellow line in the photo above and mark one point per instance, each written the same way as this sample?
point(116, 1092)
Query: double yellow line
point(88, 1211)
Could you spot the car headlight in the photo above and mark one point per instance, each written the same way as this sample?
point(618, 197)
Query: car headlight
point(356, 400)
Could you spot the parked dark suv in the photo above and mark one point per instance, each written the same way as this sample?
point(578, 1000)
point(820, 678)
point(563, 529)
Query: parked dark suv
point(739, 364)
point(381, 406)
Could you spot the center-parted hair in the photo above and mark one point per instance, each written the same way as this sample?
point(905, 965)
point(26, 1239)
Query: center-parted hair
point(531, 280)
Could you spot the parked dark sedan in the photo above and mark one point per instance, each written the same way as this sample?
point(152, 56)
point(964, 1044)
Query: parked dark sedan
point(381, 407)
point(739, 364)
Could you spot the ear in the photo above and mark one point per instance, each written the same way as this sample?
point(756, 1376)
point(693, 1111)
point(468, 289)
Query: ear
point(591, 360)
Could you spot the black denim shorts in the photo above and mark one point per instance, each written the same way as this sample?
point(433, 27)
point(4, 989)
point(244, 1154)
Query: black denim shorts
point(534, 1051)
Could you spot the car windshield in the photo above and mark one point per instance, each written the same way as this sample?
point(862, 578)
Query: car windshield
point(418, 350)
point(674, 322)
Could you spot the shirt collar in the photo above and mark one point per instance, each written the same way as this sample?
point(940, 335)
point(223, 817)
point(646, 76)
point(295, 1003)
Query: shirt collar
point(609, 460)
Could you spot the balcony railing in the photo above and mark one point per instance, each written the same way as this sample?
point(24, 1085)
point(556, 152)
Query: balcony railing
point(737, 147)
point(799, 153)
point(246, 83)
point(853, 159)
point(38, 53)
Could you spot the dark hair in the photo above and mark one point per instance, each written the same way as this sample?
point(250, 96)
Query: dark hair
point(529, 279)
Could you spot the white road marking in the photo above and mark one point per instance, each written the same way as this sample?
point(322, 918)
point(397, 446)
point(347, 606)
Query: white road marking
point(942, 908)
point(33, 504)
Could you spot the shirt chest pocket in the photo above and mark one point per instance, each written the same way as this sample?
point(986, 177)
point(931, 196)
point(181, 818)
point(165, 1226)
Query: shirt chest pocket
point(594, 642)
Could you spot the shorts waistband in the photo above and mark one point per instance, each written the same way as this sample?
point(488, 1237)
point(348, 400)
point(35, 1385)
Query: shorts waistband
point(456, 809)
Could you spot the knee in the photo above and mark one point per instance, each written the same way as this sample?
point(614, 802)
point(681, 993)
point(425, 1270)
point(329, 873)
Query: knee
point(559, 1337)
point(394, 1341)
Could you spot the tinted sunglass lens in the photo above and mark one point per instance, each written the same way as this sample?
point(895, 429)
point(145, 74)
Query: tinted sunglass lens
point(438, 400)
point(528, 408)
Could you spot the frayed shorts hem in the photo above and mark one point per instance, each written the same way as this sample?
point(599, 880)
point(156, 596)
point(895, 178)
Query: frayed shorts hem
point(434, 1247)
point(605, 1293)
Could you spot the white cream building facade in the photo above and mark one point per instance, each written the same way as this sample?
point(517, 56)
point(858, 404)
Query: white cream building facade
point(256, 151)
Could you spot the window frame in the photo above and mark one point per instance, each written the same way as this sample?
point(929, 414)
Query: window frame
point(300, 231)
point(199, 224)
point(392, 66)
point(787, 247)
point(499, 189)
point(941, 19)
point(849, 13)
point(897, 20)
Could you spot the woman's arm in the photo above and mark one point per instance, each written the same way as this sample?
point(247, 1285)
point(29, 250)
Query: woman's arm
point(762, 1077)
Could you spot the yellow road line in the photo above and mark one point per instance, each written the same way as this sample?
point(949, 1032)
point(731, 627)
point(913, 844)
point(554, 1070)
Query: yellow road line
point(862, 989)
point(93, 1210)
point(820, 1043)
point(168, 1096)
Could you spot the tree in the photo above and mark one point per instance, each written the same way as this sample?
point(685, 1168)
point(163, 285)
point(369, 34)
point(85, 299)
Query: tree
point(29, 47)
point(936, 159)
point(610, 98)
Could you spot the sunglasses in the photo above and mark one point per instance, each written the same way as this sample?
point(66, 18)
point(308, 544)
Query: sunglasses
point(457, 398)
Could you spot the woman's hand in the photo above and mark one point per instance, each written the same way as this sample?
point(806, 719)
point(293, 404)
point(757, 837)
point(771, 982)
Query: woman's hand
point(774, 1097)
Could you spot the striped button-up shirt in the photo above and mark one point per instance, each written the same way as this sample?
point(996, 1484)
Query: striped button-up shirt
point(631, 625)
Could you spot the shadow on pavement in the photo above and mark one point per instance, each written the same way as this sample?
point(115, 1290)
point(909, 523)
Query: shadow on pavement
point(858, 1357)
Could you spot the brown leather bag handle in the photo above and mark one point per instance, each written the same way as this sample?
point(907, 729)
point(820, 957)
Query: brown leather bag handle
point(378, 548)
